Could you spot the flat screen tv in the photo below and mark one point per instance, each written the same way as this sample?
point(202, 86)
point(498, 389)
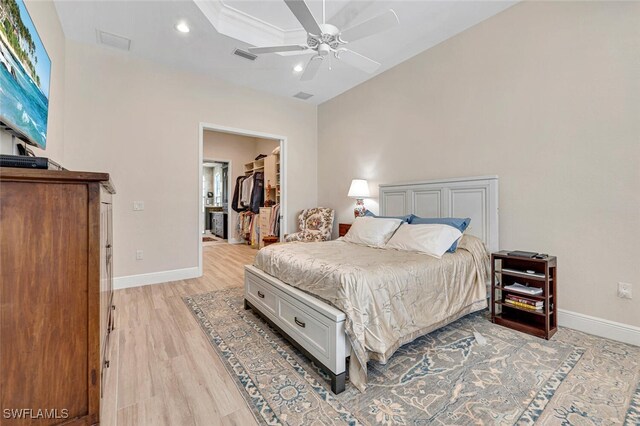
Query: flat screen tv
point(25, 68)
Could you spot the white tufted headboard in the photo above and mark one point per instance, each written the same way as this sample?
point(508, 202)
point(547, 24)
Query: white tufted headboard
point(474, 197)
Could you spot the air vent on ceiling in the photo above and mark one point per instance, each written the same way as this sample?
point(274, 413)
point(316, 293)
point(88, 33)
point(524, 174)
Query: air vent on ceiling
point(113, 40)
point(244, 54)
point(302, 95)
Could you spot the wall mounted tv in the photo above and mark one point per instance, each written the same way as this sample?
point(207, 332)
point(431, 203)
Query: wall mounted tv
point(25, 68)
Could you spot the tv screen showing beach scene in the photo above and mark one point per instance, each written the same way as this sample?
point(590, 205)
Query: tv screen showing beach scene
point(25, 68)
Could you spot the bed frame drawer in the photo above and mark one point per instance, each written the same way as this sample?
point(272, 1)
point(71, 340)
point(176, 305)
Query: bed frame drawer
point(295, 320)
point(261, 295)
point(313, 326)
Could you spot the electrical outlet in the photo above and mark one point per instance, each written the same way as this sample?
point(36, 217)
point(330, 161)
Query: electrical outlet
point(139, 255)
point(625, 290)
point(138, 206)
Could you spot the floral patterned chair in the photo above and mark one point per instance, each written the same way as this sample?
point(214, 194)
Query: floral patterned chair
point(314, 225)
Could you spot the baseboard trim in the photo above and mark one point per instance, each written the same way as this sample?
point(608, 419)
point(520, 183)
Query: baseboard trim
point(599, 327)
point(155, 277)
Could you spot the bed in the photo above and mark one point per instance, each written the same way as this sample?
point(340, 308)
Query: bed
point(337, 299)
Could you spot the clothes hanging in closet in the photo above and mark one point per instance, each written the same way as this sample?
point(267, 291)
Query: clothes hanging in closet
point(244, 226)
point(237, 194)
point(257, 192)
point(247, 191)
point(274, 225)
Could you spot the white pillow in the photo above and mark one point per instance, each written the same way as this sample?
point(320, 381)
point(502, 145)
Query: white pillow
point(432, 239)
point(372, 231)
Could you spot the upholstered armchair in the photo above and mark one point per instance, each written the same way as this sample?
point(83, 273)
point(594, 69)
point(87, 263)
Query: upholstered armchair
point(314, 225)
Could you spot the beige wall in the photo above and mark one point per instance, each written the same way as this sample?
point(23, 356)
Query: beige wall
point(545, 95)
point(140, 123)
point(45, 19)
point(239, 150)
point(265, 146)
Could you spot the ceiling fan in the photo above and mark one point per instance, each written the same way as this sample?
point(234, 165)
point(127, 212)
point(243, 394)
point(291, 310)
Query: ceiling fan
point(325, 39)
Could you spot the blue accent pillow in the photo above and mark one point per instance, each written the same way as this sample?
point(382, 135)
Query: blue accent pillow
point(460, 223)
point(406, 218)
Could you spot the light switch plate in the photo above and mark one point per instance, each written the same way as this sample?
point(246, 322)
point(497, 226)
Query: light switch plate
point(138, 206)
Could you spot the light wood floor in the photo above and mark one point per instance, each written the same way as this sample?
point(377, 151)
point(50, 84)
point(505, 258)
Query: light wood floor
point(163, 370)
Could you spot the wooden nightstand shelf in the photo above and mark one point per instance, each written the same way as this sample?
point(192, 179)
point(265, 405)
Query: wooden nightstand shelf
point(343, 228)
point(507, 270)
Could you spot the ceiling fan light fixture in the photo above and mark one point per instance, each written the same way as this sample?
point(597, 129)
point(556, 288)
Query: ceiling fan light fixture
point(325, 39)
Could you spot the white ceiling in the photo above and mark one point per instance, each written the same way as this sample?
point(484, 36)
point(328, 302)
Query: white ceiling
point(206, 49)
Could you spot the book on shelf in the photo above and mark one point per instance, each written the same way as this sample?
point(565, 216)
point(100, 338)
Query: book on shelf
point(532, 291)
point(521, 299)
point(516, 271)
point(522, 305)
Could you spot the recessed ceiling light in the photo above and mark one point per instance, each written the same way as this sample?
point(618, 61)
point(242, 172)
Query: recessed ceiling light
point(182, 27)
point(298, 68)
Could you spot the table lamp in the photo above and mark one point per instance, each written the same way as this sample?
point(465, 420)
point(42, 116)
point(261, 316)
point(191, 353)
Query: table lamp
point(359, 189)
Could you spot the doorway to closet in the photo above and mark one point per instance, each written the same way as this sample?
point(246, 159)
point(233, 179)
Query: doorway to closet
point(252, 209)
point(215, 201)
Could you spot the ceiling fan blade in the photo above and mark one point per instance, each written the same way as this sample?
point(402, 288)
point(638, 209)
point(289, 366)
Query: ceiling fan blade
point(349, 12)
point(357, 60)
point(275, 49)
point(368, 28)
point(312, 68)
point(303, 14)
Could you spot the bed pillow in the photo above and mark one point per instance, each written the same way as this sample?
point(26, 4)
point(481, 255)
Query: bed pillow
point(406, 218)
point(370, 231)
point(432, 239)
point(459, 223)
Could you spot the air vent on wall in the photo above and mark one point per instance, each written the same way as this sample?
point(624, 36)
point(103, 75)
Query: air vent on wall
point(245, 55)
point(113, 40)
point(302, 95)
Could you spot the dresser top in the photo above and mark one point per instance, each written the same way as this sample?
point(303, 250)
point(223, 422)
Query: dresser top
point(40, 175)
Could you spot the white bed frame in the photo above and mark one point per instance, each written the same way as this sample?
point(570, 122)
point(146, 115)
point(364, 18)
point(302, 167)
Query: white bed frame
point(316, 328)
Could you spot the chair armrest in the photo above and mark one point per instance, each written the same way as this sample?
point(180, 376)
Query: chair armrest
point(296, 236)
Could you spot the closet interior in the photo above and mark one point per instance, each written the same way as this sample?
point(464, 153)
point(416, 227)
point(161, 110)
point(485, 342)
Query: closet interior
point(259, 200)
point(254, 187)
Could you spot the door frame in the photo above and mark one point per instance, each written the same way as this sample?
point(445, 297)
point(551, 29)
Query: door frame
point(283, 176)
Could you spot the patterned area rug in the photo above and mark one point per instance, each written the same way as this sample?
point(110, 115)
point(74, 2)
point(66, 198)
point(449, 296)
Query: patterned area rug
point(442, 378)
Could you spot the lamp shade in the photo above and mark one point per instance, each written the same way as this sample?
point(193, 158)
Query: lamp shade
point(359, 189)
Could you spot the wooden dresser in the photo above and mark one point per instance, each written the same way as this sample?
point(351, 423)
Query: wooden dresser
point(56, 309)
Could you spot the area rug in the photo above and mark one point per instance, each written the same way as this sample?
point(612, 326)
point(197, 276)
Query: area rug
point(445, 377)
point(210, 240)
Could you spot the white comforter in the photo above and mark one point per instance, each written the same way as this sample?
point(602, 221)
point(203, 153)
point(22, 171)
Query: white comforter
point(390, 297)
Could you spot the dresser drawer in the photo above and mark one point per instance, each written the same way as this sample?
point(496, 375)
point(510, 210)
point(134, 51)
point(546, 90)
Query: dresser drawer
point(265, 223)
point(313, 330)
point(262, 296)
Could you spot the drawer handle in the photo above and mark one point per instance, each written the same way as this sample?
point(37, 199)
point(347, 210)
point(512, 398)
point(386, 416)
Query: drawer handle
point(260, 295)
point(300, 323)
